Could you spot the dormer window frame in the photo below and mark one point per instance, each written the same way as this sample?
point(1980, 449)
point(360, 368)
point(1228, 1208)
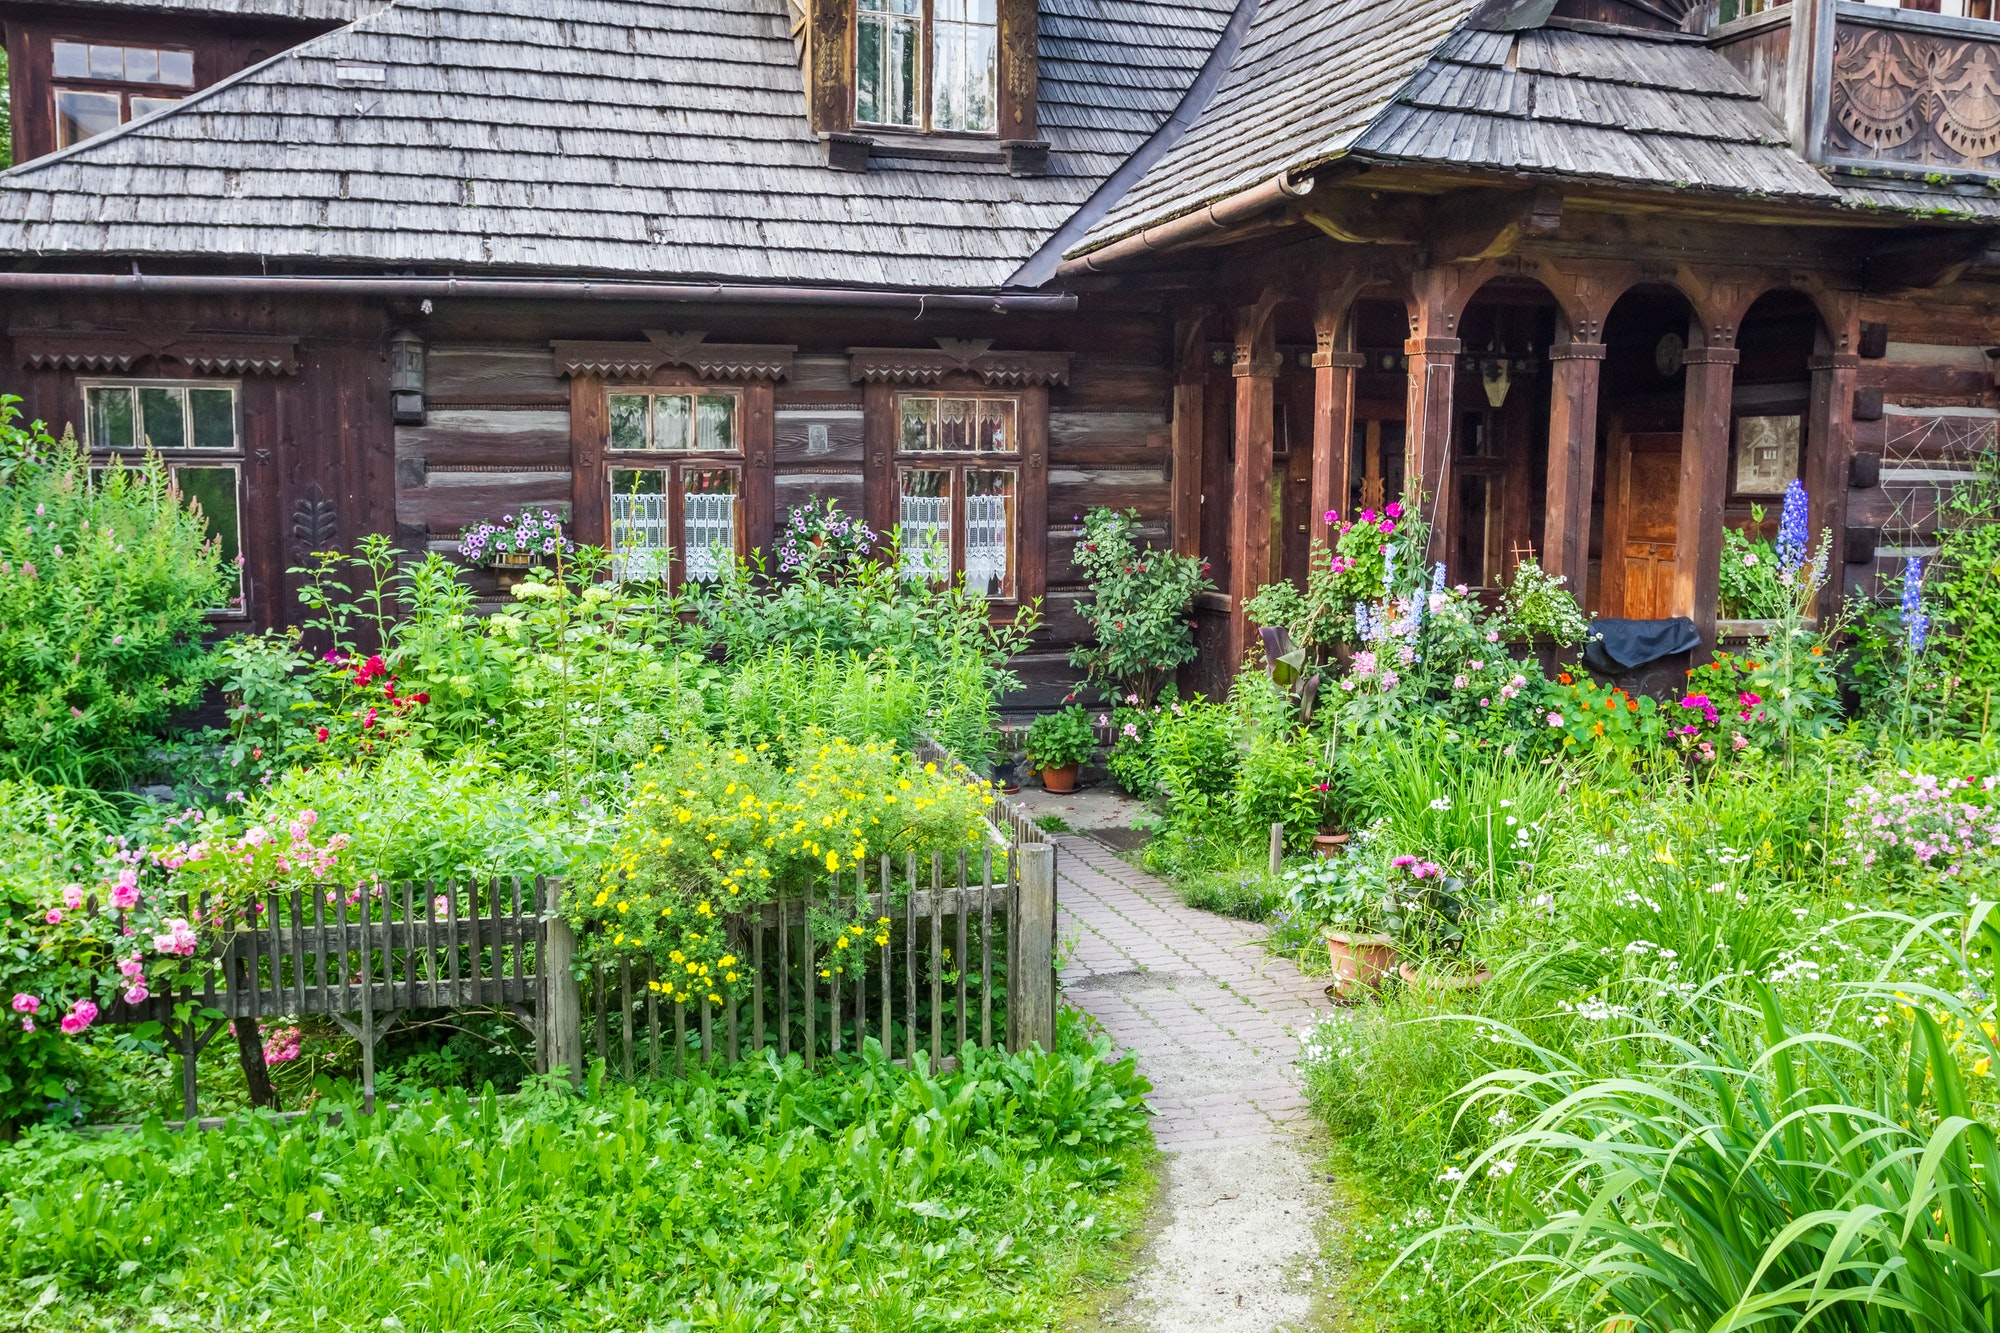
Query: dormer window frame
point(831, 58)
point(71, 89)
point(933, 27)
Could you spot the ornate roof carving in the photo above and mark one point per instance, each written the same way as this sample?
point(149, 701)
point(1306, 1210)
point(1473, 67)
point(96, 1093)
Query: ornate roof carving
point(638, 360)
point(119, 350)
point(921, 365)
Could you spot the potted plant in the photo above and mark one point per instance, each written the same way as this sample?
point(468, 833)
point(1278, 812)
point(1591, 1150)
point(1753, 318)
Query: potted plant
point(515, 542)
point(1424, 910)
point(1341, 896)
point(1006, 762)
point(1058, 743)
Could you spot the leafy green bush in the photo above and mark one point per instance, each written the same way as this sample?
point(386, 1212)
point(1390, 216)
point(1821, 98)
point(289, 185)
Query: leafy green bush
point(1140, 597)
point(105, 584)
point(1538, 607)
point(864, 1196)
point(1749, 587)
point(1061, 738)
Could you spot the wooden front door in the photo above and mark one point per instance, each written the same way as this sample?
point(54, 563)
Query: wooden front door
point(1642, 524)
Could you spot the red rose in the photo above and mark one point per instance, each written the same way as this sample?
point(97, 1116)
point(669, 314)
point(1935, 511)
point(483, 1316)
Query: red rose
point(321, 734)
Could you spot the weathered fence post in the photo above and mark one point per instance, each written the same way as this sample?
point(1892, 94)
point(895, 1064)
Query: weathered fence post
point(1277, 848)
point(565, 1006)
point(1031, 972)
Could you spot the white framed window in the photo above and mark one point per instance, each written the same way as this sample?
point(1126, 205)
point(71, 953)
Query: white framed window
point(957, 500)
point(927, 65)
point(194, 428)
point(683, 519)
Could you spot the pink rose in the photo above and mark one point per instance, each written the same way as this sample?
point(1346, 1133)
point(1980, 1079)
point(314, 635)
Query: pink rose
point(27, 1004)
point(72, 896)
point(125, 897)
point(54, 917)
point(80, 1016)
point(138, 994)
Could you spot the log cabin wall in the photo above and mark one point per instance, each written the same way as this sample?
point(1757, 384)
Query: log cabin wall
point(1928, 412)
point(317, 462)
point(323, 463)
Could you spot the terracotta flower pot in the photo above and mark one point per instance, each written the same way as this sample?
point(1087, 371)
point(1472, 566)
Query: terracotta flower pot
point(1329, 844)
point(1443, 982)
point(1061, 779)
point(1359, 961)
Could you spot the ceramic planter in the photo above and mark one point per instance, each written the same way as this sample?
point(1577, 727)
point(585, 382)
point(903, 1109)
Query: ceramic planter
point(1441, 983)
point(1329, 844)
point(510, 559)
point(1359, 961)
point(1061, 779)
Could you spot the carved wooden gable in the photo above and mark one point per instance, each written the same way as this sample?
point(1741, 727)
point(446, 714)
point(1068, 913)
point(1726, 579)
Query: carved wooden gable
point(918, 365)
point(117, 351)
point(638, 360)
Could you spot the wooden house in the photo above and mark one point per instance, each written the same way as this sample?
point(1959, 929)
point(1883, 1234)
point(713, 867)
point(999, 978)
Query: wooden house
point(1590, 278)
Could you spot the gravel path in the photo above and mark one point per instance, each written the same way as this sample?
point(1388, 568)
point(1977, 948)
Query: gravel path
point(1214, 1022)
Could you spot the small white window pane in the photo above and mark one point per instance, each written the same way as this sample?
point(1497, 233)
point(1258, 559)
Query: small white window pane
point(213, 492)
point(212, 417)
point(81, 115)
point(918, 433)
point(708, 521)
point(996, 425)
point(924, 517)
point(887, 73)
point(628, 420)
point(673, 421)
point(146, 106)
point(957, 423)
point(989, 533)
point(640, 542)
point(177, 67)
point(110, 418)
point(107, 62)
point(141, 65)
point(163, 418)
point(72, 60)
point(715, 423)
point(964, 53)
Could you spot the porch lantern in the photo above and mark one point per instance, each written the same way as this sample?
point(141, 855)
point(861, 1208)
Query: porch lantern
point(406, 378)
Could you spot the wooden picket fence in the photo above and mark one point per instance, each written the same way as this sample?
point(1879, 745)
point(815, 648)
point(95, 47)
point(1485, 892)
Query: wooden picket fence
point(368, 956)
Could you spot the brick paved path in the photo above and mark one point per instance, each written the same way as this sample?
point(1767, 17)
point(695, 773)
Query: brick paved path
point(1211, 1017)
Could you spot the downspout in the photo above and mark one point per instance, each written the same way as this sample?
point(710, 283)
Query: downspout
point(1218, 216)
point(539, 289)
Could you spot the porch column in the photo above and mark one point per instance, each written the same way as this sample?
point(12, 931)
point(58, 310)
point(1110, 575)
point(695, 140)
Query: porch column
point(1574, 372)
point(1256, 372)
point(1711, 374)
point(1427, 434)
point(1333, 425)
point(1829, 444)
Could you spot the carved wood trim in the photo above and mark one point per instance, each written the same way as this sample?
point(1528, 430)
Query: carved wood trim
point(638, 360)
point(918, 365)
point(1915, 97)
point(120, 350)
point(1020, 68)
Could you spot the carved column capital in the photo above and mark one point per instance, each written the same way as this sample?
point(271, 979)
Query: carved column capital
point(1577, 351)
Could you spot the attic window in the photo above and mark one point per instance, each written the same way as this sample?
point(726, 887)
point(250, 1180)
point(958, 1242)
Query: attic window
point(348, 72)
point(101, 87)
point(927, 65)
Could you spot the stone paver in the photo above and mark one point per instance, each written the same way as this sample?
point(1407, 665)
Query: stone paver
point(1212, 1018)
point(1213, 1021)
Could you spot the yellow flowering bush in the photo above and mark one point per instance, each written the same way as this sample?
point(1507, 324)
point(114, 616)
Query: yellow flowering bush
point(716, 829)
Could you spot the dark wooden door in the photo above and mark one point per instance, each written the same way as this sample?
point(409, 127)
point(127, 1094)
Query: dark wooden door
point(1642, 534)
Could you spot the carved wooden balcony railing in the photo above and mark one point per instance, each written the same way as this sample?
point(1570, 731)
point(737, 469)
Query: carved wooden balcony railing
point(1915, 90)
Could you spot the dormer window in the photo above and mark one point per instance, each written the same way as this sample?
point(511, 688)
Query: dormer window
point(927, 65)
point(99, 87)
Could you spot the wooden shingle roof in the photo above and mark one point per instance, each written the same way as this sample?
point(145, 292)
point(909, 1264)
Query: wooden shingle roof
point(1406, 82)
point(635, 137)
point(305, 11)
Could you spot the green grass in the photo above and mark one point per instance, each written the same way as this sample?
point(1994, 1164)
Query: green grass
point(868, 1198)
point(1053, 824)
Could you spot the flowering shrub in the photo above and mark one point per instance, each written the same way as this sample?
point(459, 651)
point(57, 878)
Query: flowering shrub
point(1355, 567)
point(818, 537)
point(1605, 720)
point(1914, 825)
point(534, 534)
point(716, 830)
point(1138, 609)
point(1130, 758)
point(1749, 577)
point(1370, 890)
point(1539, 607)
point(105, 583)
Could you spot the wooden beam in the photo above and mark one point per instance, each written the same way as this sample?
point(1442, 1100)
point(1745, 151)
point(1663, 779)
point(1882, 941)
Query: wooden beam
point(1486, 224)
point(1432, 351)
point(1711, 374)
point(1184, 476)
point(1367, 218)
point(590, 519)
point(1333, 431)
point(1926, 260)
point(1256, 372)
point(1575, 372)
point(1829, 444)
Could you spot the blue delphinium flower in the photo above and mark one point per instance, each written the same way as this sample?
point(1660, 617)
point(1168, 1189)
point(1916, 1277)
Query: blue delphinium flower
point(1792, 532)
point(1916, 625)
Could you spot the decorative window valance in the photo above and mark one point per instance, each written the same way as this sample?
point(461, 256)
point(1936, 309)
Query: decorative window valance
point(974, 356)
point(638, 360)
point(118, 350)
